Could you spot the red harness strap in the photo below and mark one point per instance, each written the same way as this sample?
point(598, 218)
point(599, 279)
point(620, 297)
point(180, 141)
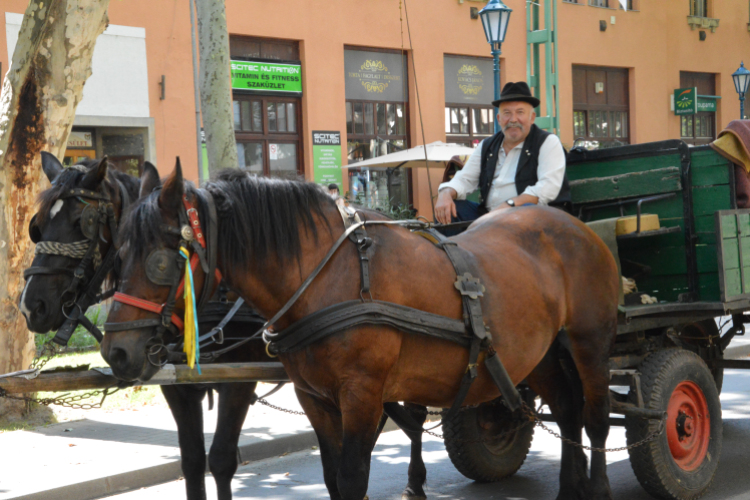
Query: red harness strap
point(195, 225)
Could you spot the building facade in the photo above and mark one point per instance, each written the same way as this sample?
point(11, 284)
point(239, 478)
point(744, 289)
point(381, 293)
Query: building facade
point(318, 85)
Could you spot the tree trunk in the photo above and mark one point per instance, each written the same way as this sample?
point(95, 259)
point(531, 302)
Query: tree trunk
point(41, 91)
point(215, 84)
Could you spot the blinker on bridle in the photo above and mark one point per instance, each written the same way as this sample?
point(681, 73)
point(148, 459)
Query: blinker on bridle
point(93, 221)
point(164, 267)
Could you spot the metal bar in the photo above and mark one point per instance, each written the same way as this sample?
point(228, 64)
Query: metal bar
point(169, 375)
point(633, 411)
point(201, 176)
point(556, 116)
point(741, 364)
point(548, 67)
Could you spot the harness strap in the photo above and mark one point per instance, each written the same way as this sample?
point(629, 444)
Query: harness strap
point(146, 306)
point(219, 329)
point(30, 271)
point(345, 315)
point(211, 248)
point(467, 380)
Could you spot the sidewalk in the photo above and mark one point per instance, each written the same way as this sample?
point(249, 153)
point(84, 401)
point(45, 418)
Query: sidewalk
point(118, 451)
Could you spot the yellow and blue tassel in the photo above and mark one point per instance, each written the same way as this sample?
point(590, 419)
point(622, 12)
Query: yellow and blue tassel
point(191, 345)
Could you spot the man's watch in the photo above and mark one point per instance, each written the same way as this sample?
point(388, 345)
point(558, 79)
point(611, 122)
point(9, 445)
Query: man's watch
point(511, 203)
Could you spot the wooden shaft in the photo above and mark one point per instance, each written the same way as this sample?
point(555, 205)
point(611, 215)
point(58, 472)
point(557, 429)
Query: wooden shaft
point(169, 375)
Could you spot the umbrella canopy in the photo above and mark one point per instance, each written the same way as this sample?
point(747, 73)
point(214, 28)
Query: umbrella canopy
point(438, 153)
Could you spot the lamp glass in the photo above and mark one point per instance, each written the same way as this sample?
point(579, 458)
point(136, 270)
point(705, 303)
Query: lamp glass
point(495, 21)
point(741, 79)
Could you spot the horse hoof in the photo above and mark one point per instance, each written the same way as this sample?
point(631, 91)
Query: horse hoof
point(413, 497)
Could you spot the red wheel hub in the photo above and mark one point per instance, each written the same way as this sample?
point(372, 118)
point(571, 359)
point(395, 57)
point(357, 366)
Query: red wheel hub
point(688, 425)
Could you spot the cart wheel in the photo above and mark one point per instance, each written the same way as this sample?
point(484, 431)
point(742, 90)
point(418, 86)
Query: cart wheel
point(696, 334)
point(475, 454)
point(681, 462)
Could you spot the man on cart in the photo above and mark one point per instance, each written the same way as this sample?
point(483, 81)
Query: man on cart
point(520, 165)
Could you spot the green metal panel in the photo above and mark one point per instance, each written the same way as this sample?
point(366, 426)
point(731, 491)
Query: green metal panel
point(733, 234)
point(649, 182)
point(618, 167)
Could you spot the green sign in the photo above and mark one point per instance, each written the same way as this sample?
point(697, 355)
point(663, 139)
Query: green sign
point(707, 104)
point(266, 77)
point(686, 101)
point(327, 158)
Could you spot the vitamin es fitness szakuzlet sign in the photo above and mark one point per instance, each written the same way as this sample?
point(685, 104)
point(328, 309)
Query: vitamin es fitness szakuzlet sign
point(266, 77)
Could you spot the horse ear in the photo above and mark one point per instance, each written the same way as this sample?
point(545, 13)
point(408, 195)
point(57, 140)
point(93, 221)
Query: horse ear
point(51, 166)
point(96, 175)
point(149, 179)
point(173, 189)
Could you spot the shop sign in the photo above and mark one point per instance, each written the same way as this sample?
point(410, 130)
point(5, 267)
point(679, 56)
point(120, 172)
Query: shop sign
point(375, 76)
point(78, 139)
point(686, 101)
point(266, 77)
point(707, 104)
point(327, 157)
point(468, 80)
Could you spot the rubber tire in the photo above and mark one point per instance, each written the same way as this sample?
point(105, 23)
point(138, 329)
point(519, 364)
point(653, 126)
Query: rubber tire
point(705, 328)
point(476, 460)
point(652, 462)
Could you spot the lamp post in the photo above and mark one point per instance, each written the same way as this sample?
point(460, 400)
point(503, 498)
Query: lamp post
point(741, 79)
point(495, 16)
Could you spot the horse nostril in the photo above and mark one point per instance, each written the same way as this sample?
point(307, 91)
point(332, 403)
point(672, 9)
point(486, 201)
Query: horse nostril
point(117, 357)
point(41, 309)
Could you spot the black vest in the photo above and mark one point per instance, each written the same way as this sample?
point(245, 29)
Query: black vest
point(526, 173)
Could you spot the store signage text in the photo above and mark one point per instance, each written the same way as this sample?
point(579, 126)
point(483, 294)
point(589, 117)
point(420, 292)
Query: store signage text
point(468, 80)
point(327, 157)
point(706, 104)
point(686, 101)
point(266, 77)
point(375, 76)
point(78, 139)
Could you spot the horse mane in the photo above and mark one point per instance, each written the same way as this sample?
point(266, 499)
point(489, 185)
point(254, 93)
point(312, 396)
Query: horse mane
point(258, 217)
point(261, 216)
point(69, 179)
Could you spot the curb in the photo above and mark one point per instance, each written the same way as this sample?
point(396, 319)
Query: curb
point(150, 476)
point(158, 474)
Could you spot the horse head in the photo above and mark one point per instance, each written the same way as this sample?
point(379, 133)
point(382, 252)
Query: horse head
point(71, 218)
point(148, 309)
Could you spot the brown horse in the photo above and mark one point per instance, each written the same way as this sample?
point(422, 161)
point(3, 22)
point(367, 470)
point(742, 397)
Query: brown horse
point(547, 277)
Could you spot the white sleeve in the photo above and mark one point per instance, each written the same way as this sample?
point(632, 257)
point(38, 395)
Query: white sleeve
point(466, 180)
point(550, 171)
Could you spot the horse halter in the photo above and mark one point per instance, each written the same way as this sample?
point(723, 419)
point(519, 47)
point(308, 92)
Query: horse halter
point(165, 267)
point(94, 219)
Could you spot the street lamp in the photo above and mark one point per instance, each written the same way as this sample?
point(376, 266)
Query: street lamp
point(495, 17)
point(741, 79)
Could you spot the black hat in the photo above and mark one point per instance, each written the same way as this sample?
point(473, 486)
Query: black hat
point(516, 91)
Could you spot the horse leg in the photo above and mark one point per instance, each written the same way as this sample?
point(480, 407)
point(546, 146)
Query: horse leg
point(185, 404)
point(360, 417)
point(234, 401)
point(592, 361)
point(550, 381)
point(326, 421)
point(417, 470)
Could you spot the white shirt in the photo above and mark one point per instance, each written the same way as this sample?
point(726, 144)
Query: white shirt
point(550, 172)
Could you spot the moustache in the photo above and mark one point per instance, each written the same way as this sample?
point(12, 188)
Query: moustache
point(513, 125)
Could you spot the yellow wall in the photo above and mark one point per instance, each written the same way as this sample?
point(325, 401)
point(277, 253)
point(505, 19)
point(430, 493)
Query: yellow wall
point(655, 43)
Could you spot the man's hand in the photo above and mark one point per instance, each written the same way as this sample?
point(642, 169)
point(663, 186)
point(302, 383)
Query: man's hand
point(445, 208)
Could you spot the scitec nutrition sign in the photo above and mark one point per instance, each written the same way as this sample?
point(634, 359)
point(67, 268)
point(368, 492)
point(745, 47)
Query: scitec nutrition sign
point(266, 77)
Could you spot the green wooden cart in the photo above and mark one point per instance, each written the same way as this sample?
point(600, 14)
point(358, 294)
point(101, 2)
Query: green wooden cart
point(668, 355)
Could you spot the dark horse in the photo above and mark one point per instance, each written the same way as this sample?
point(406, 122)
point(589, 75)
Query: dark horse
point(545, 273)
point(59, 220)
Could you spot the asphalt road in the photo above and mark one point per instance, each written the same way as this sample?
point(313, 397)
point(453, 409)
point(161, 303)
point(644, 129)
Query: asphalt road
point(299, 475)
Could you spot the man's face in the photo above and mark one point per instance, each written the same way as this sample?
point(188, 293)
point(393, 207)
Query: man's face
point(333, 192)
point(515, 119)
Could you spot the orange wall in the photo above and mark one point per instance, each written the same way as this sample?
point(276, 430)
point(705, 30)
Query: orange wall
point(655, 43)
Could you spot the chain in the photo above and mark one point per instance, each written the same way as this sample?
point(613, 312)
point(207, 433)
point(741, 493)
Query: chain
point(66, 400)
point(291, 412)
point(48, 351)
point(538, 422)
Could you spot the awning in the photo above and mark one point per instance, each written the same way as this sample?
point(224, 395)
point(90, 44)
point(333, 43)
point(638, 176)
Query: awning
point(438, 154)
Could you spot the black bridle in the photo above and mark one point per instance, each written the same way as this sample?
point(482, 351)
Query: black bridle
point(204, 245)
point(82, 294)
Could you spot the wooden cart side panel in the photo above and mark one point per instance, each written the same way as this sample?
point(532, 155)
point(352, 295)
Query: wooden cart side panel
point(733, 253)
